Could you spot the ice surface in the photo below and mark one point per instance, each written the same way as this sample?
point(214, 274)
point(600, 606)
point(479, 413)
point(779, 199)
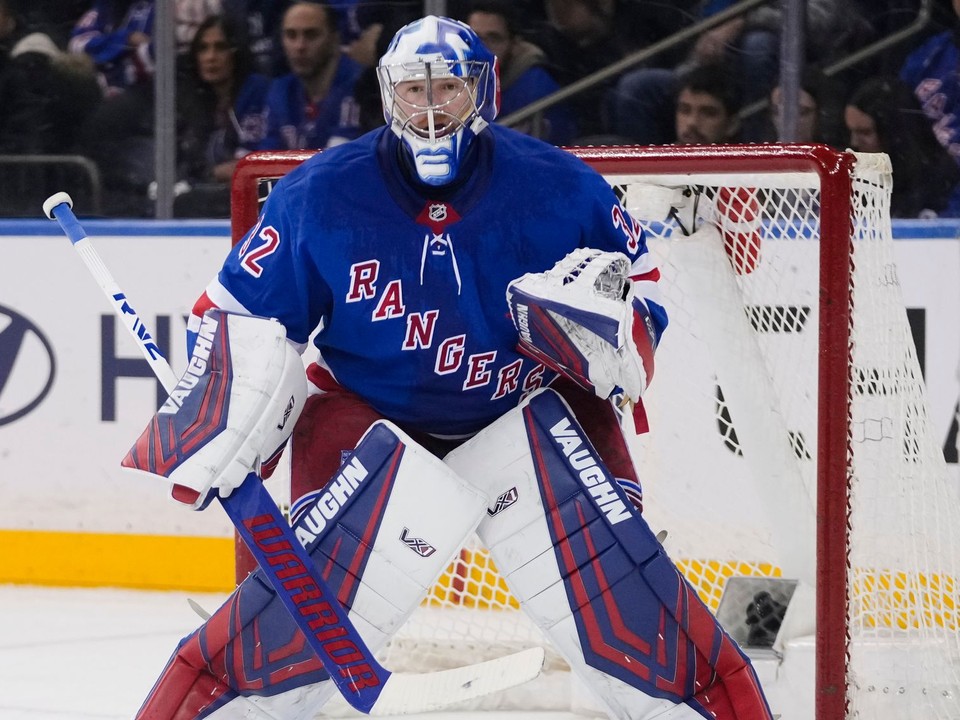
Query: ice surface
point(93, 654)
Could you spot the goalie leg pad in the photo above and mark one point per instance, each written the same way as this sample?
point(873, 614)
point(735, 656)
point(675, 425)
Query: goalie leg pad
point(588, 570)
point(370, 534)
point(600, 421)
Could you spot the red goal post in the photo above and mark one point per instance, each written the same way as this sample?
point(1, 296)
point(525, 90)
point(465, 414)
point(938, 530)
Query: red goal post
point(791, 401)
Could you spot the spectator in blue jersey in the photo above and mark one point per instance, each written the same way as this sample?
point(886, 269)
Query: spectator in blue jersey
point(392, 254)
point(116, 34)
point(523, 75)
point(222, 106)
point(933, 73)
point(883, 115)
point(313, 106)
point(118, 136)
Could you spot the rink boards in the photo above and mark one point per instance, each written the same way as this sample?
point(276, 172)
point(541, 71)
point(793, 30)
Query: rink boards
point(74, 395)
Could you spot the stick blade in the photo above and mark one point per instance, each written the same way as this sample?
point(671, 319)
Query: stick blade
point(198, 609)
point(412, 693)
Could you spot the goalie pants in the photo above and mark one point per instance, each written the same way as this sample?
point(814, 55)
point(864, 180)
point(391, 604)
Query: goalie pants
point(333, 421)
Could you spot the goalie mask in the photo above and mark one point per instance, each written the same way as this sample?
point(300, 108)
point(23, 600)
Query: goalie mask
point(440, 88)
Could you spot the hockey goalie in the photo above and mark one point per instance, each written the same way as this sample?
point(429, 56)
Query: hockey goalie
point(483, 310)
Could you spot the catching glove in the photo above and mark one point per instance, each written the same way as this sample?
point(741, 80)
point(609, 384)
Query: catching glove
point(582, 319)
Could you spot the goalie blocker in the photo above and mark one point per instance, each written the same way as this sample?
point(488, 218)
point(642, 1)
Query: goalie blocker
point(232, 410)
point(586, 568)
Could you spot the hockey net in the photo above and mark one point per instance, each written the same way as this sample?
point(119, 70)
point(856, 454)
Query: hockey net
point(790, 457)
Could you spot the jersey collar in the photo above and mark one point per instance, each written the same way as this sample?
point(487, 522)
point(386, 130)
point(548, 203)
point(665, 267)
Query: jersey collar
point(412, 195)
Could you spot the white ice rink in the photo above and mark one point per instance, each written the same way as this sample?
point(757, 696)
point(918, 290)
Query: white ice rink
point(78, 654)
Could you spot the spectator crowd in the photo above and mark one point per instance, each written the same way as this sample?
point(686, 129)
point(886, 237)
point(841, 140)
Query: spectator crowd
point(77, 78)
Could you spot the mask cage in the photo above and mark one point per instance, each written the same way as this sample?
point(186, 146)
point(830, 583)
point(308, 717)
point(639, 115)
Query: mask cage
point(439, 111)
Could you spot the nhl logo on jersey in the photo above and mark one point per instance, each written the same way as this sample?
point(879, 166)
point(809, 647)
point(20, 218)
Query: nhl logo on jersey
point(437, 212)
point(438, 216)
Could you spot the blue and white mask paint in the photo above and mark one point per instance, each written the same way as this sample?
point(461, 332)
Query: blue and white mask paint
point(440, 87)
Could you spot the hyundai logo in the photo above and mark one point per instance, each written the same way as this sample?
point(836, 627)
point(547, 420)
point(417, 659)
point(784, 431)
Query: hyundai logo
point(27, 366)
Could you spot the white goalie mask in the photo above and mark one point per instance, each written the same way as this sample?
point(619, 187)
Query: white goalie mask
point(440, 87)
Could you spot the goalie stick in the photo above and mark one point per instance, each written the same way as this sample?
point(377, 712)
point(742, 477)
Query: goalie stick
point(366, 685)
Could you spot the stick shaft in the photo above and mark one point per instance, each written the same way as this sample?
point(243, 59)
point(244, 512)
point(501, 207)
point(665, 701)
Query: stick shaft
point(259, 522)
point(324, 622)
point(121, 306)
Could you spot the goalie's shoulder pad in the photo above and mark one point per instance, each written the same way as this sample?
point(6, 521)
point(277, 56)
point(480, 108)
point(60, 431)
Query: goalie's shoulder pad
point(237, 401)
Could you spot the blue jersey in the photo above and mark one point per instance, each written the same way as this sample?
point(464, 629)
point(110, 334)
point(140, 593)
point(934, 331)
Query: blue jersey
point(295, 123)
point(103, 35)
point(933, 71)
point(408, 284)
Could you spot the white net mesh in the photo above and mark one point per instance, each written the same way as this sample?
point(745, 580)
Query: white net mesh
point(730, 467)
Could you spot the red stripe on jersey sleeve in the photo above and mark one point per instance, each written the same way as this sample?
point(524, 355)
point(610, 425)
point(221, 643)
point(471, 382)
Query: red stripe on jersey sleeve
point(203, 304)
